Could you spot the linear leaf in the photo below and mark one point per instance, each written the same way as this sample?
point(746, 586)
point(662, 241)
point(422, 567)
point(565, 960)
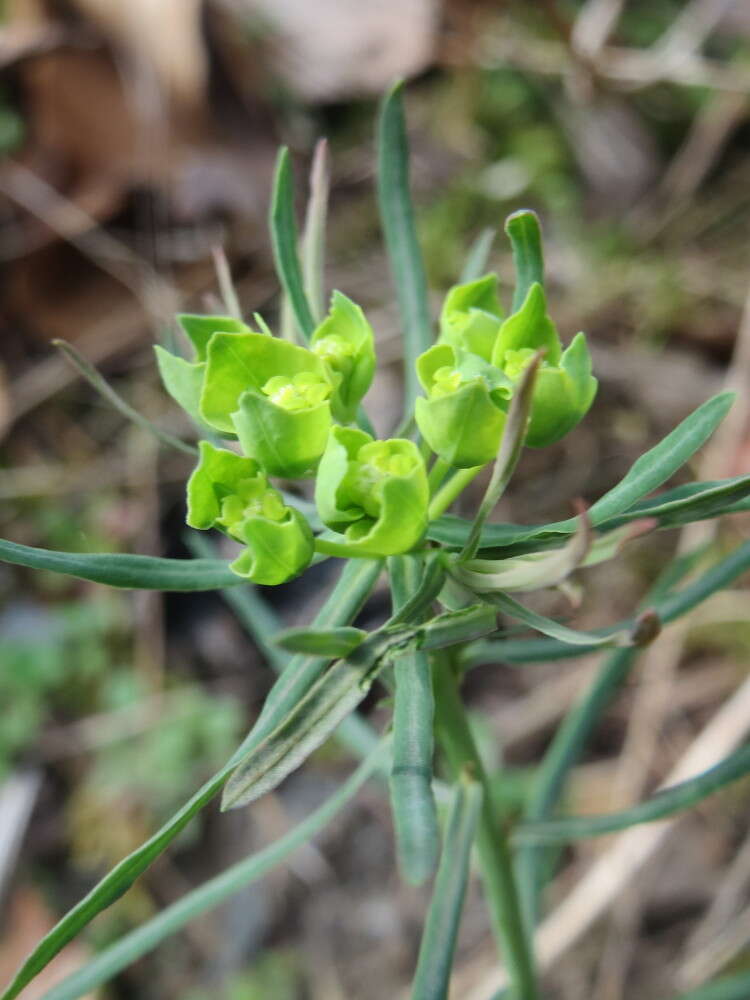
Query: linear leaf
point(657, 465)
point(102, 386)
point(525, 237)
point(284, 241)
point(667, 608)
point(397, 219)
point(441, 927)
point(309, 724)
point(673, 508)
point(615, 636)
point(123, 570)
point(314, 235)
point(332, 642)
point(412, 801)
point(664, 803)
point(145, 938)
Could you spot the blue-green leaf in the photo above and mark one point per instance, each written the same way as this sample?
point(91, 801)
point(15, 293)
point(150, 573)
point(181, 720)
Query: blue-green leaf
point(332, 642)
point(284, 241)
point(122, 570)
point(441, 927)
point(397, 218)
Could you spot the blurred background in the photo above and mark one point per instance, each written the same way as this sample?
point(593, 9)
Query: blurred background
point(136, 138)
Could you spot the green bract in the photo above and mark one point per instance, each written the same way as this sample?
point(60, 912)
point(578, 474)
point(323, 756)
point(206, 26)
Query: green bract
point(229, 492)
point(375, 492)
point(471, 316)
point(273, 395)
point(463, 416)
point(183, 379)
point(565, 387)
point(345, 342)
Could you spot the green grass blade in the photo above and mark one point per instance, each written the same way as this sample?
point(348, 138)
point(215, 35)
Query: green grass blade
point(664, 803)
point(314, 235)
point(525, 237)
point(397, 219)
point(441, 927)
point(149, 935)
point(105, 390)
point(729, 988)
point(123, 570)
point(284, 242)
point(478, 256)
point(412, 801)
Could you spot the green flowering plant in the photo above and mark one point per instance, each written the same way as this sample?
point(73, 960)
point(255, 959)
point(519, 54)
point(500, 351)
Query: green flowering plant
point(273, 413)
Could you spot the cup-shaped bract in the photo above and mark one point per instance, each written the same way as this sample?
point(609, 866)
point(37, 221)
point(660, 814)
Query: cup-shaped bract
point(274, 395)
point(565, 387)
point(463, 415)
point(344, 340)
point(374, 492)
point(230, 492)
point(184, 379)
point(471, 316)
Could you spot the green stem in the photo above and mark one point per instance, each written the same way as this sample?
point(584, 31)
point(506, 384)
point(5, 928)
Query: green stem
point(438, 472)
point(496, 866)
point(448, 493)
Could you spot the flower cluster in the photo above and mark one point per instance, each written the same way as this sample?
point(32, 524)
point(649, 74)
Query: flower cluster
point(470, 374)
point(294, 412)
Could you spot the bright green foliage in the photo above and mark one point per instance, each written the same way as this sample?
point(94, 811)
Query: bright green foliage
point(375, 492)
point(229, 492)
point(345, 342)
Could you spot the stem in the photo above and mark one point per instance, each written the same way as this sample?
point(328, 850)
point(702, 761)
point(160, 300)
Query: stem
point(448, 493)
point(496, 866)
point(438, 472)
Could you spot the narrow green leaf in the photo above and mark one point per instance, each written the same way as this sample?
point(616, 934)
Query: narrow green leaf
point(397, 218)
point(150, 934)
point(729, 988)
point(441, 927)
point(309, 724)
point(98, 382)
point(615, 636)
point(423, 593)
point(664, 803)
point(453, 628)
point(525, 237)
point(412, 801)
point(511, 447)
point(123, 570)
point(314, 235)
point(661, 462)
point(332, 642)
point(284, 241)
point(477, 257)
point(673, 508)
point(667, 607)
